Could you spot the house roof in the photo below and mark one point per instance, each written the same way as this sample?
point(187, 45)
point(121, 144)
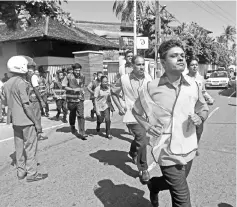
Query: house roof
point(52, 29)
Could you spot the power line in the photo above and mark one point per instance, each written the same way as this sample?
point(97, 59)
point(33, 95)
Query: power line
point(208, 11)
point(217, 11)
point(221, 9)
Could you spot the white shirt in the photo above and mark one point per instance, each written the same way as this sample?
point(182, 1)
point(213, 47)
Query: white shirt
point(35, 80)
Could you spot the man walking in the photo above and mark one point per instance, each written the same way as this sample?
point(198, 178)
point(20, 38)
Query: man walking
point(127, 66)
point(130, 84)
point(169, 108)
point(60, 96)
point(43, 92)
point(74, 86)
point(26, 126)
point(91, 88)
point(34, 94)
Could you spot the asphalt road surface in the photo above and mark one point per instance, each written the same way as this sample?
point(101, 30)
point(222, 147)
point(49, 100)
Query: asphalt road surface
point(97, 172)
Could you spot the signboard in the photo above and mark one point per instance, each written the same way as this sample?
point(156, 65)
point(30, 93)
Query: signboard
point(142, 43)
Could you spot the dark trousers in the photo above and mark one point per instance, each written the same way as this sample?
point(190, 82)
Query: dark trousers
point(104, 115)
point(61, 105)
point(138, 145)
point(93, 103)
point(45, 97)
point(26, 142)
point(77, 110)
point(174, 180)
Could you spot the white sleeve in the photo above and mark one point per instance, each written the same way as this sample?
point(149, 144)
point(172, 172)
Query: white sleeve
point(34, 81)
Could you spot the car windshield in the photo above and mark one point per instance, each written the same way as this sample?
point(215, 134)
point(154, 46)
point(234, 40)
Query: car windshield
point(219, 75)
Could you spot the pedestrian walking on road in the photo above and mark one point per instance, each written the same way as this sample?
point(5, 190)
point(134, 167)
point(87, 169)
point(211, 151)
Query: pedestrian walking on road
point(60, 96)
point(127, 66)
point(74, 85)
point(25, 124)
point(1, 98)
point(43, 90)
point(130, 84)
point(91, 88)
point(192, 64)
point(103, 105)
point(34, 95)
point(169, 108)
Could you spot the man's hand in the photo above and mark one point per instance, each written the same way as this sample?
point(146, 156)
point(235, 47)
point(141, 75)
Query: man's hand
point(78, 89)
point(155, 131)
point(38, 129)
point(122, 111)
point(98, 113)
point(196, 120)
point(42, 103)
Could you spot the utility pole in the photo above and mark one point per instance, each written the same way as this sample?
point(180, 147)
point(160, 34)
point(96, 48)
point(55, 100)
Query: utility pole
point(135, 27)
point(157, 39)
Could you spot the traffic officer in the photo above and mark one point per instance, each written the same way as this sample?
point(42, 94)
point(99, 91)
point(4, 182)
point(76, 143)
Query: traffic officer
point(25, 124)
point(60, 96)
point(74, 86)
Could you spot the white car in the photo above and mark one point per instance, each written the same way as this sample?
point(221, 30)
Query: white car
point(218, 79)
point(209, 72)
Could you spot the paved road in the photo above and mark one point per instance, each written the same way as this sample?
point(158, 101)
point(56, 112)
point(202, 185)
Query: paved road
point(97, 172)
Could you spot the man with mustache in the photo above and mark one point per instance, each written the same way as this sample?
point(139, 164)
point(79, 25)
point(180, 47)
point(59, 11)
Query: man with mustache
point(130, 84)
point(170, 108)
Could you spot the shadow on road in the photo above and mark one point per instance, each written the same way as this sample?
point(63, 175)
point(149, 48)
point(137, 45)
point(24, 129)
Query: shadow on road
point(227, 92)
point(115, 132)
point(13, 157)
point(117, 159)
point(112, 195)
point(65, 129)
point(224, 205)
point(88, 118)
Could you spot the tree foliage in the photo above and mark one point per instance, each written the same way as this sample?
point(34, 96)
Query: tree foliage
point(21, 13)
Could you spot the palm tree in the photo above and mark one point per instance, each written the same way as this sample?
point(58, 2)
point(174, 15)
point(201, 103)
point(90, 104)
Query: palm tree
point(229, 35)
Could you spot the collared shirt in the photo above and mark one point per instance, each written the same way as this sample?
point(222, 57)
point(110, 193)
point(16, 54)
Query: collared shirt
point(165, 93)
point(15, 92)
point(125, 68)
point(102, 96)
point(71, 81)
point(135, 83)
point(201, 81)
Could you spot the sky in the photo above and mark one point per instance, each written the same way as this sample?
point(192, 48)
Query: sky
point(212, 15)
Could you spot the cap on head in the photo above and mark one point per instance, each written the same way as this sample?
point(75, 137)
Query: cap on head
point(18, 64)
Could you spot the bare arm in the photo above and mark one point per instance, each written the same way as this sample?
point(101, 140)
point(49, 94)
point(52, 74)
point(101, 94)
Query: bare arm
point(89, 88)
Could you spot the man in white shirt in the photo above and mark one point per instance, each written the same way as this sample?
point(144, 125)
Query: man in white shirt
point(127, 66)
point(1, 86)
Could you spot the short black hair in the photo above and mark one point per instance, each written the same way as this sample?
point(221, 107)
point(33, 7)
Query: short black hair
point(166, 45)
point(69, 68)
point(76, 65)
point(102, 77)
point(189, 60)
point(135, 57)
point(99, 72)
point(127, 52)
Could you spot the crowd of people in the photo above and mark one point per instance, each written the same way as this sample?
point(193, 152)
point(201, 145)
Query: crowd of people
point(166, 113)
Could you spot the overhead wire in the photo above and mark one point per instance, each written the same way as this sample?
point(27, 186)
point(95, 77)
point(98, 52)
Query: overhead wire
point(221, 8)
point(208, 11)
point(228, 19)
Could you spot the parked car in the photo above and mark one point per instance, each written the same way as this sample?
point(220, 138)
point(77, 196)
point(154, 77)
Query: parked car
point(218, 79)
point(209, 72)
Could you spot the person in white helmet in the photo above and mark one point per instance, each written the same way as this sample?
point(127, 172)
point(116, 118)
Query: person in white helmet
point(25, 124)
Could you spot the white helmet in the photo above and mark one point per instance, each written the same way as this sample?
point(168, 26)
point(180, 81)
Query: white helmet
point(17, 64)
